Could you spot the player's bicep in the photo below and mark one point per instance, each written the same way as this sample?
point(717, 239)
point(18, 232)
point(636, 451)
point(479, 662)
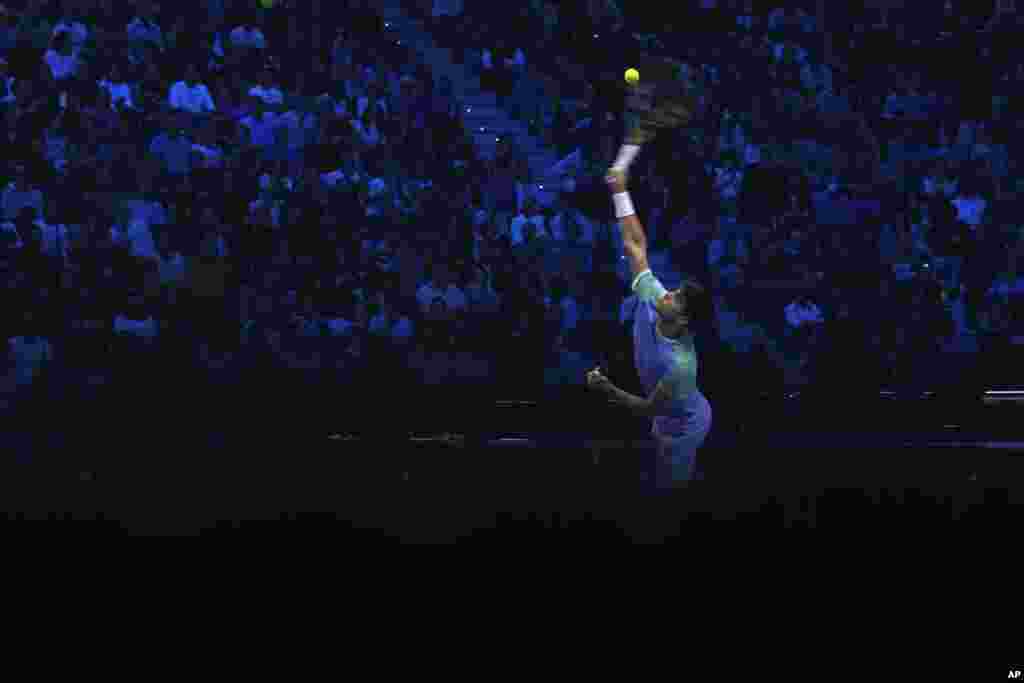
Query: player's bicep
point(637, 257)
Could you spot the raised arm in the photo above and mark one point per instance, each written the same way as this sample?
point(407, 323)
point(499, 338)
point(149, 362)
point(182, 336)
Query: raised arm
point(634, 241)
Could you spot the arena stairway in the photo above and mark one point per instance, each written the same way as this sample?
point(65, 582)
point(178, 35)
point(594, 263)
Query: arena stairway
point(487, 120)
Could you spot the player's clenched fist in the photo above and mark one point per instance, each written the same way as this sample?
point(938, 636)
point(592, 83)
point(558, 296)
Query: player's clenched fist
point(596, 381)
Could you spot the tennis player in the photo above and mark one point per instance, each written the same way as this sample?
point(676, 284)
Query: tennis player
point(665, 356)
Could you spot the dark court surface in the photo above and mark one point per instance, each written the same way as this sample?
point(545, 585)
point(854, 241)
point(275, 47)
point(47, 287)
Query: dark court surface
point(197, 462)
point(445, 487)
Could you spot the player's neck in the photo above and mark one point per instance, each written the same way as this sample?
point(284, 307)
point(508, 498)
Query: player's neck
point(675, 334)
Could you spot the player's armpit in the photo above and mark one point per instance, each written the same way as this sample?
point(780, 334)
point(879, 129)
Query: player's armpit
point(647, 287)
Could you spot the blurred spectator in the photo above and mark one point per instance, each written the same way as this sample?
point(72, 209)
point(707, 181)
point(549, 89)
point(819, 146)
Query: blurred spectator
point(62, 59)
point(260, 126)
point(391, 322)
point(29, 229)
point(55, 238)
point(248, 35)
point(716, 248)
point(740, 333)
point(171, 262)
point(190, 94)
point(208, 150)
point(35, 26)
point(803, 313)
point(174, 152)
point(32, 355)
point(144, 31)
point(266, 90)
point(528, 225)
point(20, 193)
point(152, 87)
point(480, 295)
point(437, 330)
point(570, 313)
point(119, 88)
point(8, 30)
point(7, 96)
point(136, 237)
point(134, 321)
point(1007, 283)
point(441, 287)
point(233, 102)
point(970, 205)
point(939, 181)
point(369, 135)
point(569, 226)
point(502, 67)
point(72, 24)
point(342, 54)
point(803, 320)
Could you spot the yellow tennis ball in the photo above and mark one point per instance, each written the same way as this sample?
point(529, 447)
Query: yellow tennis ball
point(632, 76)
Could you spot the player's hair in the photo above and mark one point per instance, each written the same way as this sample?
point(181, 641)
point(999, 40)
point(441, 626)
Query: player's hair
point(699, 306)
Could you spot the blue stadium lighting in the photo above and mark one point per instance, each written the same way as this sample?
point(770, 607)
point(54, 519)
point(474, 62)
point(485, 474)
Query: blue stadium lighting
point(827, 191)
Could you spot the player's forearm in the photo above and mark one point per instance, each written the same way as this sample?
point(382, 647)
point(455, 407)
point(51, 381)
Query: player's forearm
point(632, 231)
point(625, 212)
point(629, 224)
point(636, 404)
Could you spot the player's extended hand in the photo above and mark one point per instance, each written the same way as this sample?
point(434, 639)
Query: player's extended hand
point(616, 181)
point(598, 382)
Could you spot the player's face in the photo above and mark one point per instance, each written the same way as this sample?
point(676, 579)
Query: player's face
point(671, 307)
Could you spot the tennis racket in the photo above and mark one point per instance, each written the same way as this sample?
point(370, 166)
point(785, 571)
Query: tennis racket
point(661, 99)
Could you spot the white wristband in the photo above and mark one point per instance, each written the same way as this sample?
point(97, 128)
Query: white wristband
point(623, 205)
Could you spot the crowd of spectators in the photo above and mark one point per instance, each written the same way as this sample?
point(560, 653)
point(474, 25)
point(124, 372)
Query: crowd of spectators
point(246, 191)
point(852, 193)
point(253, 194)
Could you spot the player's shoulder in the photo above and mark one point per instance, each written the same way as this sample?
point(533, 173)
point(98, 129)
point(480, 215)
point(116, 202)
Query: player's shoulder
point(642, 276)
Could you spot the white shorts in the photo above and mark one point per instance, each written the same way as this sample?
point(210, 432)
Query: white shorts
point(675, 458)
